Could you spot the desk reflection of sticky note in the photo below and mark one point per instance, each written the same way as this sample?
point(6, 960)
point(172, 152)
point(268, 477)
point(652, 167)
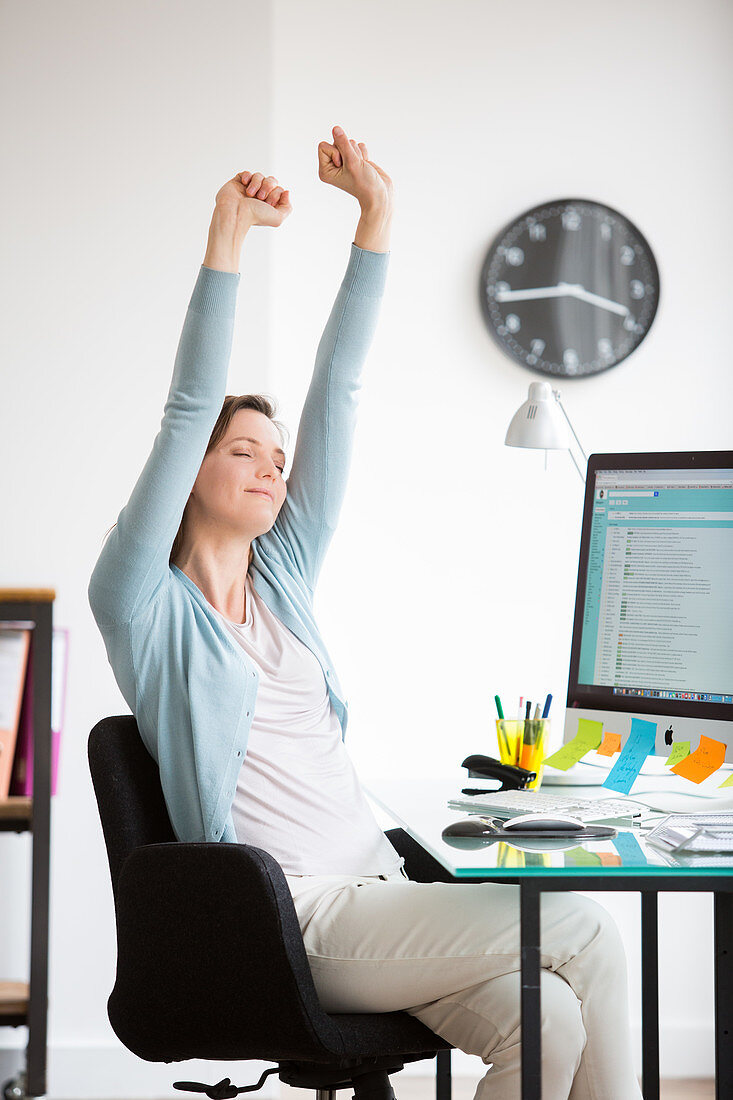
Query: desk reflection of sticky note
point(629, 849)
point(611, 743)
point(727, 782)
point(680, 750)
point(706, 759)
point(639, 744)
point(588, 737)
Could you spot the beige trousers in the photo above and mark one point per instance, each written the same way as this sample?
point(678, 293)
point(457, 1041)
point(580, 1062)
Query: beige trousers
point(449, 954)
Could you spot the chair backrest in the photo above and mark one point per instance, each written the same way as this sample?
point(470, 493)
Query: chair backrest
point(127, 787)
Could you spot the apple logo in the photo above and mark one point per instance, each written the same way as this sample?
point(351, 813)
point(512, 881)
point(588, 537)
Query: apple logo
point(668, 736)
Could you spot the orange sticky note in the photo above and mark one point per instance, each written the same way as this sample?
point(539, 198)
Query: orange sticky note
point(611, 744)
point(706, 759)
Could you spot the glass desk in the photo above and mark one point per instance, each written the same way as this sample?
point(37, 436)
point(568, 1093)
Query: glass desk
point(628, 862)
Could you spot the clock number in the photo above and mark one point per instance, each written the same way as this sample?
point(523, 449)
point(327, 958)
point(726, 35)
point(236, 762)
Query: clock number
point(605, 348)
point(537, 232)
point(627, 255)
point(513, 323)
point(570, 360)
point(537, 347)
point(636, 289)
point(606, 231)
point(514, 256)
point(571, 219)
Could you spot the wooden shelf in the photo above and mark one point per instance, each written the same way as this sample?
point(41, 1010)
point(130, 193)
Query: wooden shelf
point(14, 998)
point(16, 812)
point(30, 595)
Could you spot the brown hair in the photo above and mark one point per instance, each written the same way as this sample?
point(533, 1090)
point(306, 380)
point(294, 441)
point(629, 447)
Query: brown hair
point(257, 401)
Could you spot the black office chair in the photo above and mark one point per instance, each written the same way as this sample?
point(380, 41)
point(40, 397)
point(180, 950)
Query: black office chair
point(210, 957)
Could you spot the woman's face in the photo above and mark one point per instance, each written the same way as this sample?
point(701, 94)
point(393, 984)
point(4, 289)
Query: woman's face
point(240, 485)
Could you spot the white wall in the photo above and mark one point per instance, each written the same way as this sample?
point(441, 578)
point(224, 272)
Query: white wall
point(479, 111)
point(123, 120)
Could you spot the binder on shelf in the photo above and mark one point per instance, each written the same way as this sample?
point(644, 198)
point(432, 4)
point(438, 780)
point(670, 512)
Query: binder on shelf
point(15, 646)
point(22, 775)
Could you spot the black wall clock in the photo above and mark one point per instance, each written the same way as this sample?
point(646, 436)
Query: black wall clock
point(569, 288)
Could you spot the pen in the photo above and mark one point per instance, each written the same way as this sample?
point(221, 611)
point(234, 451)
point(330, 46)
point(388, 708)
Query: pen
point(546, 710)
point(536, 712)
point(529, 710)
point(520, 711)
point(500, 712)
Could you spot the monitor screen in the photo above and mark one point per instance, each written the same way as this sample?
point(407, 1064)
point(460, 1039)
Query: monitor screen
point(653, 629)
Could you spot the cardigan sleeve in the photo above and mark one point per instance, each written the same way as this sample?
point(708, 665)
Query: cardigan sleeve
point(134, 560)
point(319, 473)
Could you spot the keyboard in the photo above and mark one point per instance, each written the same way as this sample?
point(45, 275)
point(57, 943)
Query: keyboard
point(510, 803)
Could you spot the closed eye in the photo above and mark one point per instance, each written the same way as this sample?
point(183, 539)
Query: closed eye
point(246, 454)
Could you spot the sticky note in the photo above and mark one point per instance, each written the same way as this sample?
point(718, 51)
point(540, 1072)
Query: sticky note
point(706, 759)
point(588, 737)
point(680, 750)
point(629, 849)
point(581, 857)
point(639, 744)
point(611, 743)
point(727, 782)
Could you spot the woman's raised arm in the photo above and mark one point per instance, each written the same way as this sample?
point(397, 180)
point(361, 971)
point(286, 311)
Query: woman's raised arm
point(134, 560)
point(319, 473)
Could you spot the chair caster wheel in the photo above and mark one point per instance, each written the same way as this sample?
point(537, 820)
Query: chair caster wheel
point(14, 1089)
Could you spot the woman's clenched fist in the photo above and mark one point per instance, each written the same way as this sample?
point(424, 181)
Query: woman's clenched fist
point(258, 198)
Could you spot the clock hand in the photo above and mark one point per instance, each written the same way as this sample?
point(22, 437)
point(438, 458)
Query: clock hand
point(559, 291)
point(577, 291)
point(562, 290)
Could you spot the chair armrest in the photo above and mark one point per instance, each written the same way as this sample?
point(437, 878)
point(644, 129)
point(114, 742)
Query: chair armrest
point(419, 864)
point(211, 958)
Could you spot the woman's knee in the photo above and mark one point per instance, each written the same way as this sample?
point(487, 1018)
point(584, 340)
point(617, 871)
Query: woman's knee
point(563, 1034)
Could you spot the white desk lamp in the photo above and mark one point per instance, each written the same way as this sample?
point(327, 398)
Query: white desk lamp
point(538, 424)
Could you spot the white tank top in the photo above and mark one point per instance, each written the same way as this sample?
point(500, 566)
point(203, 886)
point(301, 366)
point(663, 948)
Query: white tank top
point(297, 795)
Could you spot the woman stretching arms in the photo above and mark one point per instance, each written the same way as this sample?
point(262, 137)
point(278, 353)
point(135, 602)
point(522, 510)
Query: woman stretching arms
point(203, 594)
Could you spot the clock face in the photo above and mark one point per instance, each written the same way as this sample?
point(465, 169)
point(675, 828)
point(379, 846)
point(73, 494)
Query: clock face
point(569, 288)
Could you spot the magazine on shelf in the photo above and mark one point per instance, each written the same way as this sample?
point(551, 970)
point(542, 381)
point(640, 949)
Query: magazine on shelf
point(22, 776)
point(15, 646)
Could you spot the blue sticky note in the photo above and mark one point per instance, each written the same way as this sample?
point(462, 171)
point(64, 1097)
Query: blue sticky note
point(629, 849)
point(639, 744)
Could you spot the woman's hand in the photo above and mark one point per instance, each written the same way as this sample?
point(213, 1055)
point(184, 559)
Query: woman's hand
point(256, 199)
point(346, 165)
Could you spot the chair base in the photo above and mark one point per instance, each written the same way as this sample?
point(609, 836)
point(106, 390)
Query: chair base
point(369, 1079)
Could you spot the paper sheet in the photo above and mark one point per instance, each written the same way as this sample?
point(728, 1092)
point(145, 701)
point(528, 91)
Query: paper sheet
point(639, 744)
point(706, 759)
point(611, 743)
point(588, 737)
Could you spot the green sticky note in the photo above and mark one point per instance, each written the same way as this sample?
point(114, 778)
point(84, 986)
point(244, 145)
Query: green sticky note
point(589, 736)
point(680, 750)
point(727, 782)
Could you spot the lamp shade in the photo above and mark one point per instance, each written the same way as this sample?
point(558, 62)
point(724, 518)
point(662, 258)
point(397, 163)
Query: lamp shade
point(538, 422)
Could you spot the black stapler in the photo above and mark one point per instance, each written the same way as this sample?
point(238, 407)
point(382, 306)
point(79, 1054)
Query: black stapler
point(511, 776)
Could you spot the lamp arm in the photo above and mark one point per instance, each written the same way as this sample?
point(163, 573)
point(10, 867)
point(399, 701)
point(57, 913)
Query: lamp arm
point(556, 395)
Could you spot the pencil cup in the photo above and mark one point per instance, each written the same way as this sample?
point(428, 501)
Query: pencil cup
point(523, 743)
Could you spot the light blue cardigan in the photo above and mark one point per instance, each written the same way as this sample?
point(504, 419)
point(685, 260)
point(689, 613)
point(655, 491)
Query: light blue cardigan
point(191, 688)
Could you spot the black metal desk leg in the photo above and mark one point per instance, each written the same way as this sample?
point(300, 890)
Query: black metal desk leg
point(529, 905)
point(443, 1076)
point(649, 995)
point(723, 908)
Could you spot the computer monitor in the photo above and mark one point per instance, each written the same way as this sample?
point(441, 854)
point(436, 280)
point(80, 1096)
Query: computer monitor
point(653, 628)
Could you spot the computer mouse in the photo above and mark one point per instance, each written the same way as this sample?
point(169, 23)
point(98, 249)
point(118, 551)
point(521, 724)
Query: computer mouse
point(539, 823)
point(473, 827)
